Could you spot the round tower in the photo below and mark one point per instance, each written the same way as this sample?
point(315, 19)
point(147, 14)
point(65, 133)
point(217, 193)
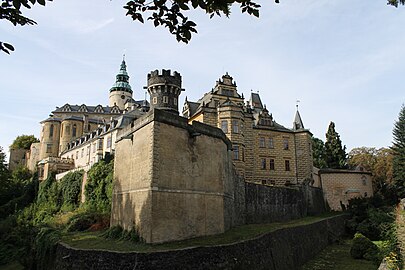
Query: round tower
point(121, 91)
point(164, 90)
point(71, 128)
point(49, 138)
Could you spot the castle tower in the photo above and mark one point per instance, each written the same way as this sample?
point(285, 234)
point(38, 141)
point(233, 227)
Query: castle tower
point(303, 149)
point(121, 91)
point(71, 128)
point(49, 138)
point(164, 90)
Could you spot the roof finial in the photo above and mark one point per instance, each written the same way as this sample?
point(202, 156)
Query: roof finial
point(123, 57)
point(297, 103)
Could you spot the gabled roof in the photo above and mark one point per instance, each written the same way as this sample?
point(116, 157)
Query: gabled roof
point(84, 108)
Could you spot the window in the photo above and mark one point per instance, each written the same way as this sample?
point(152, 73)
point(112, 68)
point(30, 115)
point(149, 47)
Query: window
point(165, 99)
point(236, 152)
point(235, 126)
point(100, 144)
point(67, 130)
point(175, 101)
point(49, 148)
point(51, 131)
point(271, 143)
point(154, 100)
point(262, 142)
point(272, 182)
point(364, 180)
point(263, 164)
point(224, 126)
point(264, 182)
point(77, 154)
point(88, 150)
point(74, 130)
point(287, 165)
point(285, 144)
point(271, 164)
point(82, 153)
point(108, 142)
point(94, 147)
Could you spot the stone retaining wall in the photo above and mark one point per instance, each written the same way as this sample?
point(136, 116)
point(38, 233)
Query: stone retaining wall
point(287, 248)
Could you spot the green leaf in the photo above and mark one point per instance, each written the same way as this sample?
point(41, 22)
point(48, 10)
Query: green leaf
point(17, 4)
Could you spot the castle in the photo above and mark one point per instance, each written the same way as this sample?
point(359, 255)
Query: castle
point(177, 177)
point(263, 150)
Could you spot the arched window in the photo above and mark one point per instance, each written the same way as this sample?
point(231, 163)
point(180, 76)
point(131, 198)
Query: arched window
point(74, 130)
point(51, 131)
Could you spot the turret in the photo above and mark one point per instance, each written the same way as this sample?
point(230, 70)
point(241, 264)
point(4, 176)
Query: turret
point(164, 90)
point(50, 138)
point(121, 91)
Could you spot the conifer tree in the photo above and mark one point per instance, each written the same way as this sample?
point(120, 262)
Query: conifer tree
point(398, 149)
point(318, 153)
point(335, 154)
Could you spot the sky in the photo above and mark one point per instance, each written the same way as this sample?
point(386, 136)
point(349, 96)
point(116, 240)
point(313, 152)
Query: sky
point(342, 59)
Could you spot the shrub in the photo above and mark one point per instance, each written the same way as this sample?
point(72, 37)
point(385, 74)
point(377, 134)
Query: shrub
point(363, 248)
point(70, 187)
point(98, 190)
point(84, 221)
point(118, 233)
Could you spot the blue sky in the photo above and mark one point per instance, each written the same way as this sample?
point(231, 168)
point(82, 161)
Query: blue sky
point(344, 60)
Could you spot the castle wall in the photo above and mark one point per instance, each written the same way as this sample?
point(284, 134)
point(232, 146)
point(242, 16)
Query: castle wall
point(340, 186)
point(33, 156)
point(178, 182)
point(17, 158)
point(283, 249)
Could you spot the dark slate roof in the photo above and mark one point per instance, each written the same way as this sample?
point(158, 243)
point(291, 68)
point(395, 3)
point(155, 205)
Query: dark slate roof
point(51, 119)
point(90, 109)
point(298, 124)
point(193, 107)
point(255, 101)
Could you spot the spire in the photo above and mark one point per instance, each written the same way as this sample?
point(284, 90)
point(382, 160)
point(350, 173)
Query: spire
point(298, 124)
point(122, 79)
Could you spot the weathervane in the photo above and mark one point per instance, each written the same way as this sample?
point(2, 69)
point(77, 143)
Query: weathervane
point(297, 103)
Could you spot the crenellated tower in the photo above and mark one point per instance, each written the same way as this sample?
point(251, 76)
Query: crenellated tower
point(164, 90)
point(121, 90)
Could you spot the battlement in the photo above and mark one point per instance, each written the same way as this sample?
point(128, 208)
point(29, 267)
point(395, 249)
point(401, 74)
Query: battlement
point(164, 77)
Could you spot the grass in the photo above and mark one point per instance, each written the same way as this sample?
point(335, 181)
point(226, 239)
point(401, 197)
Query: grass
point(94, 240)
point(337, 257)
point(12, 266)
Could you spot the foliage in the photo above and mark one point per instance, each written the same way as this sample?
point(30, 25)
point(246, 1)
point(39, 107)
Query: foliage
point(23, 142)
point(318, 153)
point(363, 248)
point(70, 187)
point(398, 150)
point(376, 161)
point(21, 174)
point(370, 216)
point(45, 247)
point(118, 233)
point(335, 154)
point(87, 220)
point(98, 190)
point(170, 14)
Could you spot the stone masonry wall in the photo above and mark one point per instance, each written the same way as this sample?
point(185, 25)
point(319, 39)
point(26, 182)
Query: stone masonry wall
point(284, 249)
point(340, 186)
point(265, 204)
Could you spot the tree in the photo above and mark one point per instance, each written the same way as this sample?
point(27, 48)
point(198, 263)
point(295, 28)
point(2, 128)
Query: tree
point(335, 154)
point(23, 142)
point(318, 153)
point(398, 150)
point(170, 14)
point(4, 173)
point(376, 161)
